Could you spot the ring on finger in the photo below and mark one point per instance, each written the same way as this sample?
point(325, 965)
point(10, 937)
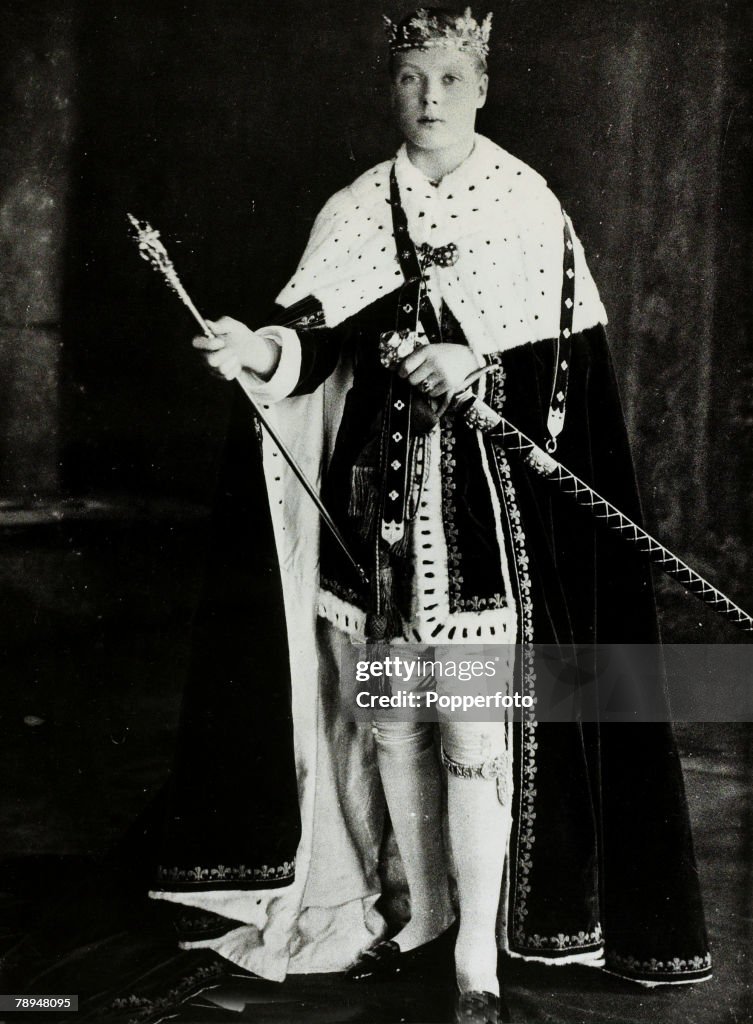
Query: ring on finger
point(426, 386)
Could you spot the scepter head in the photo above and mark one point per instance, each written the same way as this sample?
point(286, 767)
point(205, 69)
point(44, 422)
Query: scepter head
point(152, 249)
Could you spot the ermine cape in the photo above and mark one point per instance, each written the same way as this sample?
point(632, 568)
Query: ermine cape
point(275, 820)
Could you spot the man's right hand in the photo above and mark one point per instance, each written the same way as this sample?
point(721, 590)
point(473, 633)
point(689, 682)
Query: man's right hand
point(235, 348)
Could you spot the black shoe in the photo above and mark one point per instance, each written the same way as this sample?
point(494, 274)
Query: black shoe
point(378, 961)
point(481, 1008)
point(386, 959)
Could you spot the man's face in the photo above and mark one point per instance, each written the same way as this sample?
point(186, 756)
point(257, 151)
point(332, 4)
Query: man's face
point(435, 95)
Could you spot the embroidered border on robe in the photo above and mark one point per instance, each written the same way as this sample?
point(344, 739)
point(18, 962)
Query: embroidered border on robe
point(223, 875)
point(582, 940)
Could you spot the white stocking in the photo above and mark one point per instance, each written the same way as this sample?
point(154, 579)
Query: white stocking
point(411, 778)
point(479, 826)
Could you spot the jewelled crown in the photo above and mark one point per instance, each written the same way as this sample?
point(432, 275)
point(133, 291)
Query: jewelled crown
point(428, 28)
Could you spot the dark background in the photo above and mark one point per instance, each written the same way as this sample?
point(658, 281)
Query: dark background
point(227, 125)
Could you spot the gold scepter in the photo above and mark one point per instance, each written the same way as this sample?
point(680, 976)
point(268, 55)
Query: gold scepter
point(152, 249)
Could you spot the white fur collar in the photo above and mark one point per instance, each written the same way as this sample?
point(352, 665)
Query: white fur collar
point(505, 287)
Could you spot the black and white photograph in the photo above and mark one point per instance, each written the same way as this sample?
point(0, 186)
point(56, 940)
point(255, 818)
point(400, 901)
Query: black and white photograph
point(376, 531)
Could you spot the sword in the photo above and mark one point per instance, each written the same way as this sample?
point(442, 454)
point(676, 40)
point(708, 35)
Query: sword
point(482, 416)
point(152, 249)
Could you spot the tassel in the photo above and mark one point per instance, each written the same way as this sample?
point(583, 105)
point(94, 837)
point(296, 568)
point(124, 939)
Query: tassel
point(400, 547)
point(385, 623)
point(363, 504)
point(387, 604)
point(361, 483)
point(376, 628)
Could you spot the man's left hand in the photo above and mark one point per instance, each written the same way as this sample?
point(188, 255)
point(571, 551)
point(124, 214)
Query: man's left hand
point(438, 371)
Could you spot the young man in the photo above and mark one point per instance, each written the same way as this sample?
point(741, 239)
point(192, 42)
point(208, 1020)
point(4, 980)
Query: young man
point(454, 257)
